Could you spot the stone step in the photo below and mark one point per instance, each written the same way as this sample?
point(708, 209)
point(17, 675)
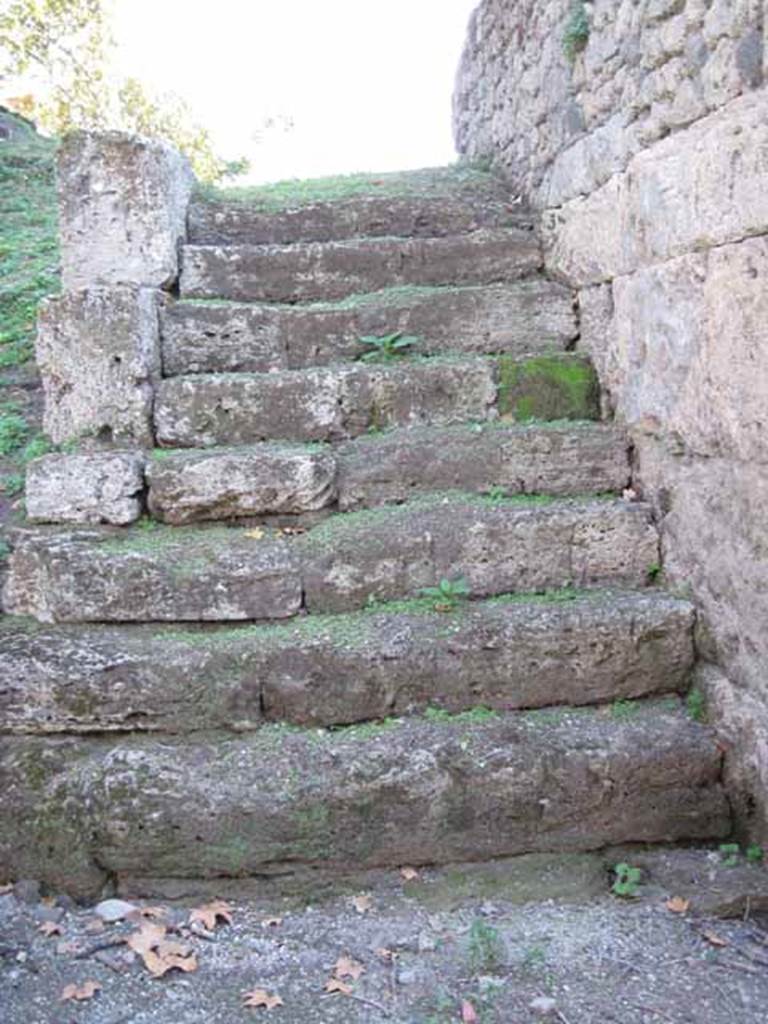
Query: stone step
point(338, 402)
point(520, 318)
point(263, 480)
point(77, 811)
point(567, 647)
point(220, 574)
point(333, 270)
point(430, 202)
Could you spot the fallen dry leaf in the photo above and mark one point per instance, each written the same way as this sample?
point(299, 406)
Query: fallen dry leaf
point(362, 903)
point(468, 1012)
point(255, 534)
point(210, 913)
point(79, 992)
point(677, 905)
point(95, 926)
point(271, 922)
point(386, 954)
point(346, 967)
point(260, 997)
point(335, 985)
point(409, 874)
point(160, 954)
point(714, 939)
point(49, 928)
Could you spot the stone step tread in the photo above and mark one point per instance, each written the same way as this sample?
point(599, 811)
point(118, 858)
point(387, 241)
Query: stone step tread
point(210, 336)
point(191, 485)
point(525, 651)
point(422, 791)
point(342, 401)
point(430, 202)
point(226, 574)
point(333, 270)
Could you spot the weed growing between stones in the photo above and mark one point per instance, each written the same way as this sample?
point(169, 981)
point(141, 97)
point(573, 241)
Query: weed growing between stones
point(576, 34)
point(485, 948)
point(696, 705)
point(446, 595)
point(385, 347)
point(627, 881)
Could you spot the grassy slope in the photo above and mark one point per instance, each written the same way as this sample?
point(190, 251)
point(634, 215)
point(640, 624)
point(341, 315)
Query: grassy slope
point(28, 272)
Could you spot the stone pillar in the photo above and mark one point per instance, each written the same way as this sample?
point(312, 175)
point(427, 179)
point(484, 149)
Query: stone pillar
point(123, 204)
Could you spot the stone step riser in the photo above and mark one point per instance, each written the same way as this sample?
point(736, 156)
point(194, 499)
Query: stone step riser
point(519, 319)
point(342, 669)
point(421, 792)
point(335, 403)
point(222, 222)
point(334, 270)
point(172, 574)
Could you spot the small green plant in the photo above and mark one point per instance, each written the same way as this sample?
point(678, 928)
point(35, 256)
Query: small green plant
point(4, 550)
point(485, 948)
point(387, 346)
point(729, 854)
point(623, 708)
point(576, 34)
point(13, 484)
point(696, 705)
point(627, 881)
point(653, 572)
point(447, 594)
point(14, 430)
point(496, 493)
point(754, 854)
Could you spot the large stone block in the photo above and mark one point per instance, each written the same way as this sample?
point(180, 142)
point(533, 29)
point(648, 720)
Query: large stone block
point(558, 460)
point(123, 205)
point(185, 487)
point(333, 270)
point(497, 547)
point(95, 487)
point(335, 670)
point(321, 404)
point(98, 353)
point(420, 792)
point(151, 576)
point(520, 318)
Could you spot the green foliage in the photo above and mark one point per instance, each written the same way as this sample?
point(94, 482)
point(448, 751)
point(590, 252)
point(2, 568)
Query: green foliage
point(497, 493)
point(696, 705)
point(729, 854)
point(447, 594)
point(14, 429)
point(754, 854)
point(627, 881)
point(486, 948)
point(12, 484)
point(653, 572)
point(576, 34)
point(68, 46)
point(473, 716)
point(387, 346)
point(624, 708)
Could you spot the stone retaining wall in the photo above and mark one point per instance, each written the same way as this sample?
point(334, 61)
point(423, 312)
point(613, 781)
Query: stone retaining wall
point(647, 154)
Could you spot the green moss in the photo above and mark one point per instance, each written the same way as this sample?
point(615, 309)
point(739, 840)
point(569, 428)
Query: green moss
point(472, 716)
point(548, 388)
point(576, 33)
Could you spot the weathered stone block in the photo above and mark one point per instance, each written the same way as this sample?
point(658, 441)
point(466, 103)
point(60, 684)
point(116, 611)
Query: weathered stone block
point(333, 270)
point(548, 388)
point(497, 547)
point(96, 487)
point(419, 792)
point(189, 486)
point(321, 404)
point(123, 205)
point(151, 576)
point(98, 353)
point(334, 670)
point(538, 459)
point(520, 318)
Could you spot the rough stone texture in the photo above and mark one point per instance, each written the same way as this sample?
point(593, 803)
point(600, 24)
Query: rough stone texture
point(497, 547)
point(333, 270)
point(97, 487)
point(321, 404)
point(98, 353)
point(341, 669)
point(539, 459)
point(156, 575)
point(122, 209)
point(557, 130)
point(666, 236)
point(76, 809)
point(520, 318)
point(191, 486)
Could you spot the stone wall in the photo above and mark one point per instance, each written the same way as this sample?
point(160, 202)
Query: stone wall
point(647, 154)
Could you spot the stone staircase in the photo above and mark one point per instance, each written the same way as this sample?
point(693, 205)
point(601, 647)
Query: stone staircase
point(221, 662)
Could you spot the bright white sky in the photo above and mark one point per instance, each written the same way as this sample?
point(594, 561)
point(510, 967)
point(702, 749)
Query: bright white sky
point(366, 83)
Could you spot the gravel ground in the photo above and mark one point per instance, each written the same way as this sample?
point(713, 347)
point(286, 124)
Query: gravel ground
point(433, 950)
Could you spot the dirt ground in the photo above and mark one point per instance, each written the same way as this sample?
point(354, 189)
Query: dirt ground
point(448, 945)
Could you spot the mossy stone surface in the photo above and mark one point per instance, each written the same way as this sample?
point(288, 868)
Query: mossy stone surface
point(548, 388)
